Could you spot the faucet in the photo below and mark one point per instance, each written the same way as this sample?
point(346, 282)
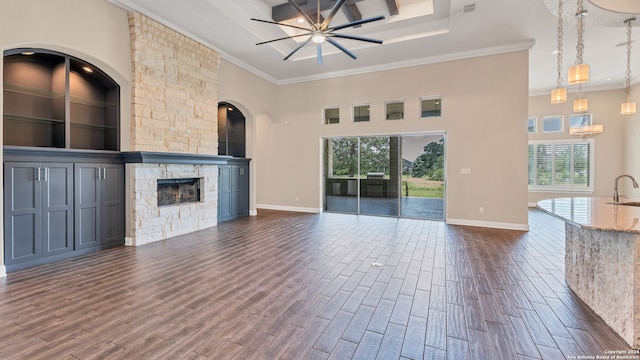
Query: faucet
point(616, 196)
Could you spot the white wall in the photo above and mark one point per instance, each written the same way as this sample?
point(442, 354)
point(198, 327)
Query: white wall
point(485, 102)
point(609, 148)
point(92, 30)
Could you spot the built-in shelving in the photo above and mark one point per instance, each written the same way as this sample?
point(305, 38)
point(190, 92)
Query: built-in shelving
point(55, 100)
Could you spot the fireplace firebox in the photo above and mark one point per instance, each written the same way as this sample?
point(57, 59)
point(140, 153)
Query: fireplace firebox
point(178, 191)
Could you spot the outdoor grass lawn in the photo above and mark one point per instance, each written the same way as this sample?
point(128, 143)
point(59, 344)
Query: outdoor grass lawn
point(419, 187)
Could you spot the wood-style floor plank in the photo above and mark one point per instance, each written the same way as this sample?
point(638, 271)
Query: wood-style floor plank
point(287, 285)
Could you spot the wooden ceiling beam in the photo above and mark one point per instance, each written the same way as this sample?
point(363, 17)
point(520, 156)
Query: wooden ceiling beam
point(393, 6)
point(352, 12)
point(284, 12)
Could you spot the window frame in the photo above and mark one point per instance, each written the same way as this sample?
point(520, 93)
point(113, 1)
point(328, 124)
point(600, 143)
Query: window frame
point(572, 187)
point(431, 97)
point(353, 112)
point(532, 120)
point(395, 101)
point(324, 115)
point(553, 117)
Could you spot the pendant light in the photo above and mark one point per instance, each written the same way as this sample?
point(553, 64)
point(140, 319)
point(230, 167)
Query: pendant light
point(628, 107)
point(559, 94)
point(579, 73)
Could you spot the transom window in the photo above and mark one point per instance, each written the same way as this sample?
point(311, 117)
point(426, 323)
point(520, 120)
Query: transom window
point(561, 165)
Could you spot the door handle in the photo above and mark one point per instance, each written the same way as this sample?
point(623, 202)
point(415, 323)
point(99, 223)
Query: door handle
point(46, 174)
point(38, 174)
point(104, 173)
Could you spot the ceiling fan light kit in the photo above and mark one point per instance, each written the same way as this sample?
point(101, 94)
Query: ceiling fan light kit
point(320, 32)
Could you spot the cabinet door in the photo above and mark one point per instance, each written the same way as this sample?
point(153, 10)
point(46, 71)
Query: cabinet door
point(87, 205)
point(57, 208)
point(112, 203)
point(224, 191)
point(22, 212)
point(243, 191)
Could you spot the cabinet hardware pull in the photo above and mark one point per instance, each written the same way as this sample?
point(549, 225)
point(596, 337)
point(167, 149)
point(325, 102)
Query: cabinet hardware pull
point(99, 174)
point(38, 174)
point(46, 174)
point(104, 173)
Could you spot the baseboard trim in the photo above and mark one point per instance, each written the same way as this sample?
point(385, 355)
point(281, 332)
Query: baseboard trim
point(3, 271)
point(289, 208)
point(253, 212)
point(488, 224)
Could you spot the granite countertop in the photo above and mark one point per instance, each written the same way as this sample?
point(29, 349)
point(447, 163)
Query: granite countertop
point(597, 213)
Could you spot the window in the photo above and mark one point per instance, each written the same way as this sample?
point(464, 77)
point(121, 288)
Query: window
point(562, 165)
point(332, 115)
point(578, 120)
point(394, 110)
point(552, 123)
point(361, 113)
point(430, 106)
point(532, 124)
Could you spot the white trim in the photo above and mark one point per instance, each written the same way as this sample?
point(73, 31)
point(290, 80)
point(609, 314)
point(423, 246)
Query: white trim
point(253, 212)
point(128, 241)
point(289, 208)
point(533, 205)
point(3, 271)
point(488, 224)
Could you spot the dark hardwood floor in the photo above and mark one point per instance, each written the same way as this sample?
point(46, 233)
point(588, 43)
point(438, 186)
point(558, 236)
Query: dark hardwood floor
point(309, 286)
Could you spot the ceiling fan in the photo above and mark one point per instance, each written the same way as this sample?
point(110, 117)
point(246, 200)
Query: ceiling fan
point(321, 31)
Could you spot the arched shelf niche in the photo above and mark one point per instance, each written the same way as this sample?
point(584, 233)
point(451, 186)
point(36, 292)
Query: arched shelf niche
point(52, 99)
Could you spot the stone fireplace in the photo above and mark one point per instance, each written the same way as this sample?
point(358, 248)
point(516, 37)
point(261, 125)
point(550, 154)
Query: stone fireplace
point(173, 131)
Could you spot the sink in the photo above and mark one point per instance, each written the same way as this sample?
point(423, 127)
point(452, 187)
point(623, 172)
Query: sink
point(628, 203)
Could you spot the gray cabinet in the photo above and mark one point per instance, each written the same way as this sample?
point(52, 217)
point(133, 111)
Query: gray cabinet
point(99, 204)
point(60, 203)
point(38, 205)
point(233, 189)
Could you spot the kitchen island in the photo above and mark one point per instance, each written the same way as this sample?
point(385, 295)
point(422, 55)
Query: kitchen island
point(602, 258)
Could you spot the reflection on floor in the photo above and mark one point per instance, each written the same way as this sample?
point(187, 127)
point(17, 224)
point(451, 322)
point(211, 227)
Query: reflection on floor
point(411, 207)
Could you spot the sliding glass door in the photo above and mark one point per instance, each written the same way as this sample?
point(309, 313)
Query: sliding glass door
point(385, 175)
point(340, 175)
point(379, 175)
point(423, 177)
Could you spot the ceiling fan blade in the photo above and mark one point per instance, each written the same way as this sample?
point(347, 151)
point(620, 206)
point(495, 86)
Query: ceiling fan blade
point(298, 48)
point(357, 22)
point(319, 50)
point(344, 50)
point(304, 14)
point(279, 23)
point(283, 38)
point(333, 12)
point(356, 38)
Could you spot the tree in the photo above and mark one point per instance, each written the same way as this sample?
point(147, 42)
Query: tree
point(345, 156)
point(374, 155)
point(430, 164)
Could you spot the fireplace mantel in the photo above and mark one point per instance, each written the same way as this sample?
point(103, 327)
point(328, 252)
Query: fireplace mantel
point(149, 157)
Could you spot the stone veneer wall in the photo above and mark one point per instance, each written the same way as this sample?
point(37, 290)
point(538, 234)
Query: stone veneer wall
point(605, 276)
point(174, 90)
point(174, 109)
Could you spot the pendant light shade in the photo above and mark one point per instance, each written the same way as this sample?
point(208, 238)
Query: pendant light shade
point(628, 107)
point(558, 95)
point(578, 74)
point(581, 105)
